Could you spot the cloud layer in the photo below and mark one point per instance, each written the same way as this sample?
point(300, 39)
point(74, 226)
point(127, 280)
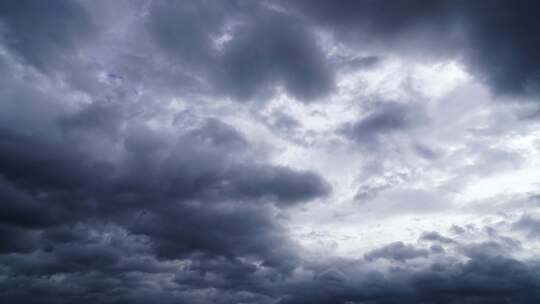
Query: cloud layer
point(269, 152)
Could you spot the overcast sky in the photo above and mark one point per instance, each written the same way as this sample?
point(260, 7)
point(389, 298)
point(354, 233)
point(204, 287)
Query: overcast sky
point(286, 152)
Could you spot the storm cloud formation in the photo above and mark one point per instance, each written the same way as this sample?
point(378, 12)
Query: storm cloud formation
point(269, 151)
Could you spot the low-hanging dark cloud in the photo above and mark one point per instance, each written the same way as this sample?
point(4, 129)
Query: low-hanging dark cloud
point(98, 205)
point(267, 49)
point(496, 39)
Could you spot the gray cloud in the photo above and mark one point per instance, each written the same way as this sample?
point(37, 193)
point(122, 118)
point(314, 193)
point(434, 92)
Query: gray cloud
point(133, 167)
point(397, 251)
point(434, 236)
point(384, 120)
point(529, 224)
point(499, 48)
point(43, 33)
point(267, 48)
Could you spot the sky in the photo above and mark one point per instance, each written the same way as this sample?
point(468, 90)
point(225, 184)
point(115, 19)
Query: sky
point(269, 152)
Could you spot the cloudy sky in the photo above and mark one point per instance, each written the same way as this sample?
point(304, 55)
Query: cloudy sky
point(286, 152)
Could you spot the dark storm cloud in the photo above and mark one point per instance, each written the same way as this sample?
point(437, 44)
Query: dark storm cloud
point(198, 194)
point(185, 29)
point(266, 48)
point(202, 165)
point(15, 239)
point(275, 50)
point(199, 201)
point(207, 164)
point(503, 45)
point(100, 206)
point(43, 33)
point(481, 279)
point(495, 39)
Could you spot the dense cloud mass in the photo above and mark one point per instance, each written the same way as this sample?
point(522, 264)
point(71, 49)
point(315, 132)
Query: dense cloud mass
point(284, 152)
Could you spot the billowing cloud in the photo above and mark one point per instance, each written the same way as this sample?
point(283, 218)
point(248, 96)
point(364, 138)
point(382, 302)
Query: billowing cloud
point(396, 251)
point(269, 152)
point(500, 48)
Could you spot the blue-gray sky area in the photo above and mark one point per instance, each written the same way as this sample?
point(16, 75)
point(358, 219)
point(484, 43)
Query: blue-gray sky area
point(269, 152)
